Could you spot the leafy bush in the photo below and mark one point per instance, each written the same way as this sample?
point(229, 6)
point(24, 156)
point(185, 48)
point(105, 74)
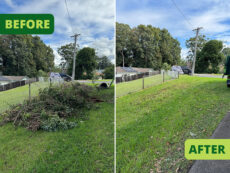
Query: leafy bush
point(109, 72)
point(56, 123)
point(50, 109)
point(41, 73)
point(166, 66)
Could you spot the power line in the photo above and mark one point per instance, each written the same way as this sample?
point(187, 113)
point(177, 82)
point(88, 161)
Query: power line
point(69, 15)
point(174, 3)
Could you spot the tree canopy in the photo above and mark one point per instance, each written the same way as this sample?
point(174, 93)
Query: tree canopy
point(190, 44)
point(25, 55)
point(103, 62)
point(85, 63)
point(145, 46)
point(210, 57)
point(66, 52)
point(109, 72)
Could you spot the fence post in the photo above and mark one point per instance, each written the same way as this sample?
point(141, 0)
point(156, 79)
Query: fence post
point(50, 82)
point(163, 76)
point(29, 91)
point(143, 83)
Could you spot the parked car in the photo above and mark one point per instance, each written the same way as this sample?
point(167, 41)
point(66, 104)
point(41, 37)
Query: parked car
point(65, 77)
point(186, 70)
point(178, 69)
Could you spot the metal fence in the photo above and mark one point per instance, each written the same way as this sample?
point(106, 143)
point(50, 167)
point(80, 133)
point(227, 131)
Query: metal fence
point(126, 78)
point(25, 91)
point(124, 88)
point(16, 84)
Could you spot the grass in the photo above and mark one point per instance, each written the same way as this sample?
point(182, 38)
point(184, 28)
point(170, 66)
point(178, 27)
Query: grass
point(125, 88)
point(85, 148)
point(19, 94)
point(153, 124)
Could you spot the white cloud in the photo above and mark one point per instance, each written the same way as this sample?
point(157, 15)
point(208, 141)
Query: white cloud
point(212, 15)
point(94, 20)
point(104, 46)
point(184, 53)
point(57, 59)
point(10, 3)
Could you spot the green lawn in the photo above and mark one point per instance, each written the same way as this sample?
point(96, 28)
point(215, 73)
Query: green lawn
point(125, 88)
point(19, 94)
point(85, 148)
point(153, 124)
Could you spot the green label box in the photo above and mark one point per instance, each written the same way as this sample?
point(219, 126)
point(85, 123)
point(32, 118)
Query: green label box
point(26, 23)
point(207, 149)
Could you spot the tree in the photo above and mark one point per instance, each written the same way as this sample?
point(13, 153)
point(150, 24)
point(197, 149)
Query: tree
point(145, 46)
point(123, 34)
point(103, 62)
point(166, 66)
point(66, 52)
point(25, 55)
point(210, 57)
point(85, 63)
point(190, 44)
point(109, 72)
point(226, 52)
point(182, 62)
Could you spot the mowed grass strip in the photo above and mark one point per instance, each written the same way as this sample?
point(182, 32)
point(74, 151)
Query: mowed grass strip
point(85, 148)
point(125, 88)
point(19, 94)
point(152, 125)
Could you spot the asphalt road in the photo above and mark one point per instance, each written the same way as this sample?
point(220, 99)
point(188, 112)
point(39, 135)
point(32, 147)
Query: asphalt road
point(90, 81)
point(215, 166)
point(210, 75)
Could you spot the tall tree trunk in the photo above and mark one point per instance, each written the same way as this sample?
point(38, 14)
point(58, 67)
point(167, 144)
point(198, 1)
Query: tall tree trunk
point(123, 58)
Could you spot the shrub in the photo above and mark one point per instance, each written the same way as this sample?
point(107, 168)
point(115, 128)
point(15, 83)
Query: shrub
point(109, 72)
point(51, 108)
point(41, 73)
point(56, 123)
point(166, 66)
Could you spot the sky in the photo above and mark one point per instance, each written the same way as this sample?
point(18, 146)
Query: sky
point(212, 15)
point(93, 19)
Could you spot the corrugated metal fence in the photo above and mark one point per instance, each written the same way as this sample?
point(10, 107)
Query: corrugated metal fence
point(16, 84)
point(126, 78)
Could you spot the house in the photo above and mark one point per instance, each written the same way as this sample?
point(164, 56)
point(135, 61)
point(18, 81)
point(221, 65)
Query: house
point(143, 70)
point(121, 71)
point(4, 80)
point(99, 73)
point(8, 79)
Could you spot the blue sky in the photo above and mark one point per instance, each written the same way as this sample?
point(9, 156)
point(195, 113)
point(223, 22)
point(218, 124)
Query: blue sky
point(212, 15)
point(93, 19)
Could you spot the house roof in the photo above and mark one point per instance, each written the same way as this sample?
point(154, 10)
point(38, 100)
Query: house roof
point(14, 78)
point(125, 70)
point(132, 70)
point(120, 70)
point(2, 78)
point(142, 70)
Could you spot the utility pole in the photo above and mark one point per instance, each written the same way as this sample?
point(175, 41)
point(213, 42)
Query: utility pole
point(74, 55)
point(194, 59)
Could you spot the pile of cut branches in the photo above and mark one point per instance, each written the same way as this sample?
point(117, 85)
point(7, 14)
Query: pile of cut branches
point(51, 109)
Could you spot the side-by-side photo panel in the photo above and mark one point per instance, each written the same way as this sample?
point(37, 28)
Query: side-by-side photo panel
point(172, 79)
point(57, 86)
